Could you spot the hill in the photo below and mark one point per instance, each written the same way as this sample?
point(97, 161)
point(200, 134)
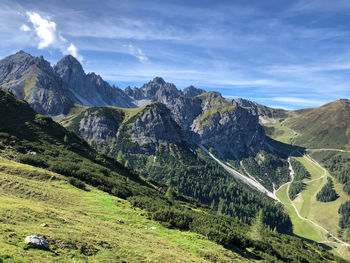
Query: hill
point(327, 126)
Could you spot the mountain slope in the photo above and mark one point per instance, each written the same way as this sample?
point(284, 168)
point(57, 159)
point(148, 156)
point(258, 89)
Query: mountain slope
point(327, 126)
point(92, 216)
point(153, 144)
point(84, 226)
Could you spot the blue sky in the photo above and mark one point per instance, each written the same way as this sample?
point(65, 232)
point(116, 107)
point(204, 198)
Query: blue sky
point(280, 53)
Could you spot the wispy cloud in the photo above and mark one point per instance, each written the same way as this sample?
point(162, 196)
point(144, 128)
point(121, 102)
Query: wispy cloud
point(72, 50)
point(138, 53)
point(298, 101)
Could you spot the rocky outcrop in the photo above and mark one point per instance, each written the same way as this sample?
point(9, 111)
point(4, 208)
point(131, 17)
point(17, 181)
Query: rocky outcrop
point(90, 89)
point(231, 130)
point(192, 92)
point(263, 111)
point(98, 124)
point(155, 90)
point(153, 126)
point(110, 128)
point(184, 110)
point(34, 80)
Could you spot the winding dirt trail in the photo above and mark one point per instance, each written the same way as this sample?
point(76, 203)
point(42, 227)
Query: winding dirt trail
point(327, 149)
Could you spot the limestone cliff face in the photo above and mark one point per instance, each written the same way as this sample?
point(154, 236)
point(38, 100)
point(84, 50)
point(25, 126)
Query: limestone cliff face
point(99, 125)
point(34, 80)
point(233, 131)
point(154, 126)
point(264, 112)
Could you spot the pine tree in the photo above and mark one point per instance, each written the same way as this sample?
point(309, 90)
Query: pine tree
point(120, 157)
point(65, 139)
point(257, 227)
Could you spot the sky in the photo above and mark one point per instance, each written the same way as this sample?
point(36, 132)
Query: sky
point(280, 53)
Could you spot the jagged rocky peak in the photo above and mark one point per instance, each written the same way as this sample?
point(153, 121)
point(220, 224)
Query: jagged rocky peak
point(213, 99)
point(90, 89)
point(234, 132)
point(153, 127)
point(158, 80)
point(68, 66)
point(155, 90)
point(33, 79)
point(192, 91)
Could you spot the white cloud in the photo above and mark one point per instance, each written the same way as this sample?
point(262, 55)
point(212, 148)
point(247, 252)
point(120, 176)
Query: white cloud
point(72, 50)
point(45, 30)
point(25, 28)
point(138, 53)
point(48, 35)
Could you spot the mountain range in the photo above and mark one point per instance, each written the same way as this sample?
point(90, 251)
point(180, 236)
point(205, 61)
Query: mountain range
point(232, 155)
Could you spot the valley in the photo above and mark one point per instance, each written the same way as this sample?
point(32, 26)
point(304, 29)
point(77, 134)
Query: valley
point(312, 219)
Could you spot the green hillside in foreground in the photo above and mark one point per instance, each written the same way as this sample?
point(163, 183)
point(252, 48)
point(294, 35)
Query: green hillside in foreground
point(85, 226)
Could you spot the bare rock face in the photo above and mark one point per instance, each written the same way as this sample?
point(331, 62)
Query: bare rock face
point(261, 110)
point(155, 90)
point(98, 124)
point(90, 89)
point(37, 242)
point(34, 80)
point(191, 92)
point(234, 132)
point(154, 126)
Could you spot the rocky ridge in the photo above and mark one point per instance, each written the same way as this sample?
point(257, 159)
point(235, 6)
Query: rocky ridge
point(90, 89)
point(34, 80)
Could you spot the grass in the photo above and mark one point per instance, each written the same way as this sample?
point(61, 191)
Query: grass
point(322, 127)
point(278, 131)
point(300, 227)
point(73, 112)
point(84, 225)
point(308, 196)
point(325, 214)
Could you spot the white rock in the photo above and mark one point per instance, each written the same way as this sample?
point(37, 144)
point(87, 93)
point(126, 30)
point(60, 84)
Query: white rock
point(36, 241)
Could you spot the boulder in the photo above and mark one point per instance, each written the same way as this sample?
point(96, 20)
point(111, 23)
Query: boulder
point(36, 242)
